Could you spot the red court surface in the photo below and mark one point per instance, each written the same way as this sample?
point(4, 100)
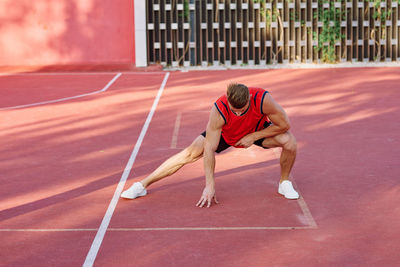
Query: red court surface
point(68, 140)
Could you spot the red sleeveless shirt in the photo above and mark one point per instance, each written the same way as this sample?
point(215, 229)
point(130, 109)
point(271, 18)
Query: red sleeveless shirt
point(252, 120)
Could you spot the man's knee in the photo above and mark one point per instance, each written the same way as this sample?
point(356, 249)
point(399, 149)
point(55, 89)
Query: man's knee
point(288, 141)
point(195, 150)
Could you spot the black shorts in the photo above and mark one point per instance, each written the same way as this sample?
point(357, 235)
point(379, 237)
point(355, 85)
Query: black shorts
point(223, 145)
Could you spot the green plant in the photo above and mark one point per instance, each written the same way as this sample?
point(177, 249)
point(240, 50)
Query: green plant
point(186, 11)
point(330, 32)
point(379, 14)
point(186, 8)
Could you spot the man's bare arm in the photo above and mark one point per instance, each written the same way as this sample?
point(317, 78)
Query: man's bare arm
point(278, 117)
point(213, 134)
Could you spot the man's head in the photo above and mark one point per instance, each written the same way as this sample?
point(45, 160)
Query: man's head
point(238, 95)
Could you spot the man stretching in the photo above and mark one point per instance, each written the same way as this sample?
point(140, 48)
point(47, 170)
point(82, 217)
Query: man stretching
point(241, 118)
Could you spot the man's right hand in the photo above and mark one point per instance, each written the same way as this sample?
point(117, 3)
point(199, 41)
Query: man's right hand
point(207, 197)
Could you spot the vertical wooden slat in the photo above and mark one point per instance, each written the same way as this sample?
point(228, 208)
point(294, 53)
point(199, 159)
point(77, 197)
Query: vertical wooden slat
point(239, 32)
point(383, 39)
point(309, 34)
point(203, 29)
point(162, 33)
point(168, 32)
point(220, 11)
point(182, 36)
point(180, 42)
point(266, 37)
point(215, 30)
point(359, 13)
point(396, 28)
point(257, 33)
point(280, 48)
point(262, 29)
point(209, 32)
point(251, 33)
point(192, 32)
point(341, 53)
point(228, 34)
point(286, 37)
point(356, 29)
point(398, 31)
point(389, 31)
point(339, 44)
point(393, 31)
point(157, 35)
point(347, 42)
point(174, 34)
point(186, 34)
point(380, 40)
point(272, 42)
point(372, 34)
point(366, 31)
point(245, 31)
point(314, 30)
point(234, 40)
point(197, 24)
point(150, 35)
point(224, 36)
point(291, 9)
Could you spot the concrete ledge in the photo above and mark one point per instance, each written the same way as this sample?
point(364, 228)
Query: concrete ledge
point(287, 66)
point(84, 67)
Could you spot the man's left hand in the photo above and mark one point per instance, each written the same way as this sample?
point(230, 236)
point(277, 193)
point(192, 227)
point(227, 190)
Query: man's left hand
point(246, 141)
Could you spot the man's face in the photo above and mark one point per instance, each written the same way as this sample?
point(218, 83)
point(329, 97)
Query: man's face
point(239, 111)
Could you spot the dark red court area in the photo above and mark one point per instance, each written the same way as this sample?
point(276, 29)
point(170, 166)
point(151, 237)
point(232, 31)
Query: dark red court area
point(70, 142)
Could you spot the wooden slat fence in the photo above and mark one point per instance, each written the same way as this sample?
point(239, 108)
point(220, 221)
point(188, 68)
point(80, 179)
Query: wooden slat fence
point(260, 32)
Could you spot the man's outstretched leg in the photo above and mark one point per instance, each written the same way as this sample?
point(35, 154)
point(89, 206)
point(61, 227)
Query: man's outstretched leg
point(169, 167)
point(289, 149)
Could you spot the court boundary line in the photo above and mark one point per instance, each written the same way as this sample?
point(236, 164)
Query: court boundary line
point(75, 73)
point(175, 134)
point(240, 228)
point(92, 254)
point(146, 229)
point(302, 203)
point(66, 98)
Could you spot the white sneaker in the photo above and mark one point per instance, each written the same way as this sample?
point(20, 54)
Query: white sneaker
point(286, 189)
point(136, 190)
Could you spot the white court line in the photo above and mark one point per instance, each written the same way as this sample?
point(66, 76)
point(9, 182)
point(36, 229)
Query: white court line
point(211, 228)
point(175, 135)
point(164, 229)
point(174, 140)
point(50, 230)
point(306, 211)
point(302, 203)
point(91, 256)
point(75, 73)
point(66, 98)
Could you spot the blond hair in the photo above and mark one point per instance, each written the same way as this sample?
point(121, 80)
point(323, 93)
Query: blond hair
point(238, 95)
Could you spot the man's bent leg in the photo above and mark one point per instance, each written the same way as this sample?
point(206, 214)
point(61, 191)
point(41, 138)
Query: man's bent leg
point(174, 163)
point(288, 156)
point(170, 166)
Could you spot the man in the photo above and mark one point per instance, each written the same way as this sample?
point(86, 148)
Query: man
point(241, 118)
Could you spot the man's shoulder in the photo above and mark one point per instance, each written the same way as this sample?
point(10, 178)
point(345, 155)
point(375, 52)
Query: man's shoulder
point(222, 102)
point(257, 90)
point(222, 98)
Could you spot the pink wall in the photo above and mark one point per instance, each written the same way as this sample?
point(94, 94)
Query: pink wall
point(66, 32)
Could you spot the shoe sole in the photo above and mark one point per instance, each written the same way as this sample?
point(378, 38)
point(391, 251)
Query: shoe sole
point(128, 197)
point(280, 192)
